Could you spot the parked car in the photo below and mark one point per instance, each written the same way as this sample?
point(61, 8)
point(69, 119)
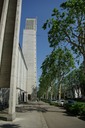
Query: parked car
point(61, 102)
point(54, 101)
point(69, 103)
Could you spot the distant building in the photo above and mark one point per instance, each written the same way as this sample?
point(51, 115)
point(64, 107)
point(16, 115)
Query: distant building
point(29, 52)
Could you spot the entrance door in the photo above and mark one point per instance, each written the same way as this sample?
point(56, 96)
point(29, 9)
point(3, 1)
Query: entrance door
point(29, 97)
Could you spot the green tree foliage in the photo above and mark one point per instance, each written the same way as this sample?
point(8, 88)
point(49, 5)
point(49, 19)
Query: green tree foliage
point(65, 27)
point(68, 26)
point(55, 67)
point(75, 80)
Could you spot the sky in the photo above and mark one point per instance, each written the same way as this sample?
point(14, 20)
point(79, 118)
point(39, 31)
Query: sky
point(42, 10)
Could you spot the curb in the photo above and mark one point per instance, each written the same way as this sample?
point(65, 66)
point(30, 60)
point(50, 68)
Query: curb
point(44, 124)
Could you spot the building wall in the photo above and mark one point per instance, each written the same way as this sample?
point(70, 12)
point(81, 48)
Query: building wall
point(21, 77)
point(10, 13)
point(3, 18)
point(29, 51)
point(1, 7)
point(7, 46)
point(17, 70)
point(21, 70)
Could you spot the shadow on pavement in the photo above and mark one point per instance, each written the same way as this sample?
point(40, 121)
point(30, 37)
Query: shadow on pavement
point(3, 118)
point(69, 114)
point(74, 115)
point(30, 108)
point(37, 108)
point(9, 126)
point(82, 118)
point(3, 115)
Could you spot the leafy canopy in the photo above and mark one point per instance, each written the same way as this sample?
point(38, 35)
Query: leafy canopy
point(68, 26)
point(54, 67)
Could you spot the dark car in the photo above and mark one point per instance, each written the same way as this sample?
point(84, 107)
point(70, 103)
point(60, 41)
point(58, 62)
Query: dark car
point(69, 103)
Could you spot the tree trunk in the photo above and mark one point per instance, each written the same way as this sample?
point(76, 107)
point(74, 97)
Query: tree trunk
point(82, 88)
point(60, 92)
point(84, 63)
point(47, 95)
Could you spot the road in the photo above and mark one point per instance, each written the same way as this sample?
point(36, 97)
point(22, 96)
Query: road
point(56, 117)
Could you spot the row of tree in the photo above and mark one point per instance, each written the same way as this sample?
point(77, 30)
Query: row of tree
point(63, 87)
point(66, 36)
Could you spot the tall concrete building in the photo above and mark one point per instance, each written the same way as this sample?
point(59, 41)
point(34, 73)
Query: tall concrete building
point(29, 52)
point(10, 13)
point(17, 70)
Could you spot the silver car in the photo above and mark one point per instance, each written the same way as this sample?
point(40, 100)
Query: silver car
point(61, 102)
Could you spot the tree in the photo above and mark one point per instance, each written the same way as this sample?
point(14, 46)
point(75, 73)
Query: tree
point(75, 80)
point(43, 85)
point(63, 63)
point(55, 67)
point(68, 26)
point(82, 79)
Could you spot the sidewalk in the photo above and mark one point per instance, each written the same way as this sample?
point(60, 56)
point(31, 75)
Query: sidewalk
point(27, 116)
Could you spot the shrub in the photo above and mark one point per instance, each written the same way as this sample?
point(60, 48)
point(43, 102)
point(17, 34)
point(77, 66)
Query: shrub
point(53, 103)
point(82, 110)
point(76, 109)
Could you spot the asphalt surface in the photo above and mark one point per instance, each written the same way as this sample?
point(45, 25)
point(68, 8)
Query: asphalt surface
point(27, 116)
point(42, 115)
point(56, 117)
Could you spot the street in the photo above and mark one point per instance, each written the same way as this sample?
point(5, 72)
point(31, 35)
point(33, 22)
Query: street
point(41, 115)
point(57, 118)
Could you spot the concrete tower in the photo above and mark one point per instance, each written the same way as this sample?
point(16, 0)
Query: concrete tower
point(29, 51)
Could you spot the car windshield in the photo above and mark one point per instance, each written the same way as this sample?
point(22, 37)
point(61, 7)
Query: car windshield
point(70, 101)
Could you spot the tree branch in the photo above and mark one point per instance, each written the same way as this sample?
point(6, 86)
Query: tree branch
point(71, 42)
point(80, 37)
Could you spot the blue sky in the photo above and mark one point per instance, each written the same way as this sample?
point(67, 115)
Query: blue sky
point(42, 10)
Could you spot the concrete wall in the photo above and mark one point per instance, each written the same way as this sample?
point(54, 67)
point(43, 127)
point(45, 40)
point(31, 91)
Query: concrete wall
point(1, 7)
point(3, 19)
point(21, 70)
point(13, 74)
point(21, 77)
point(6, 55)
point(13, 69)
point(16, 75)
